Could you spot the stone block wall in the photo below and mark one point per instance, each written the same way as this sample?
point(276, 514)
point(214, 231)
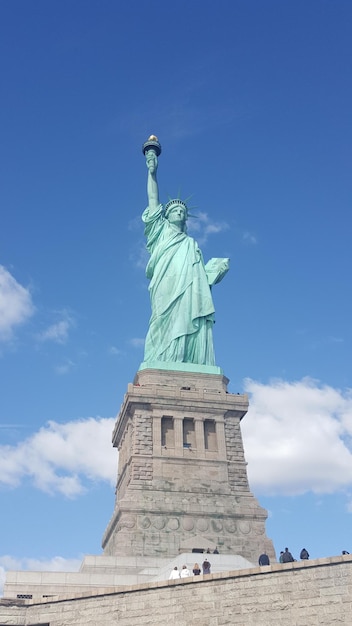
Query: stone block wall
point(197, 484)
point(237, 466)
point(306, 593)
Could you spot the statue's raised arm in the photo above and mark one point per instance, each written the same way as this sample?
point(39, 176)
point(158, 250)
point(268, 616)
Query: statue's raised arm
point(152, 150)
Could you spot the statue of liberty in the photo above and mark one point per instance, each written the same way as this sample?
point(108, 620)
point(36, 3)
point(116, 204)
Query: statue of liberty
point(181, 324)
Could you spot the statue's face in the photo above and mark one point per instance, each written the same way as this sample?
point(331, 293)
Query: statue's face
point(177, 216)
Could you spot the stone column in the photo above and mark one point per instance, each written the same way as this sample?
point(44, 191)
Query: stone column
point(220, 436)
point(157, 433)
point(178, 423)
point(199, 428)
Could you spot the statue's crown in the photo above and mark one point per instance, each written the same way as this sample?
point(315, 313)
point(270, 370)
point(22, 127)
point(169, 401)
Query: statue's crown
point(175, 202)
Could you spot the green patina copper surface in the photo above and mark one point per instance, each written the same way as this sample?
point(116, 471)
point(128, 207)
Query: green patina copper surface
point(181, 325)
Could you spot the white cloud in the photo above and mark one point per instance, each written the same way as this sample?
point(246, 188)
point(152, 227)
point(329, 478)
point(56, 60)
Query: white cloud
point(114, 351)
point(16, 304)
point(56, 564)
point(137, 342)
point(135, 224)
point(297, 437)
point(58, 332)
point(139, 255)
point(65, 367)
point(60, 458)
point(201, 227)
point(249, 238)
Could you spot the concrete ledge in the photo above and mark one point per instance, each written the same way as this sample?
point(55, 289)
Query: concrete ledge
point(267, 570)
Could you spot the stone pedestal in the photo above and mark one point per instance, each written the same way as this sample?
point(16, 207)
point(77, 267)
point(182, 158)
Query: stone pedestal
point(182, 480)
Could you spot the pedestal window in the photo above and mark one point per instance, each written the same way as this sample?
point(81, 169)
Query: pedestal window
point(189, 434)
point(210, 438)
point(167, 432)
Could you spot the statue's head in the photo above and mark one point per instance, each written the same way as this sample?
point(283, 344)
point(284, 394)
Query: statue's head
point(177, 213)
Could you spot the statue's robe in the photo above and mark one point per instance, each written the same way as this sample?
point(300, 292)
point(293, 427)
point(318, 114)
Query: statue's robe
point(180, 328)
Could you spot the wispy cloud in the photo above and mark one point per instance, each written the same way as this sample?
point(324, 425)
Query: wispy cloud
point(16, 305)
point(58, 331)
point(333, 339)
point(136, 224)
point(65, 367)
point(180, 119)
point(137, 342)
point(114, 351)
point(318, 342)
point(56, 564)
point(249, 238)
point(139, 255)
point(202, 227)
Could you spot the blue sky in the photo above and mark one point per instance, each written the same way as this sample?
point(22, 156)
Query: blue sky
point(252, 103)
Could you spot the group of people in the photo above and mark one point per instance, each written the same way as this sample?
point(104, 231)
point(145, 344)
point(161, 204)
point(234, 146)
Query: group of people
point(285, 557)
point(216, 551)
point(184, 572)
